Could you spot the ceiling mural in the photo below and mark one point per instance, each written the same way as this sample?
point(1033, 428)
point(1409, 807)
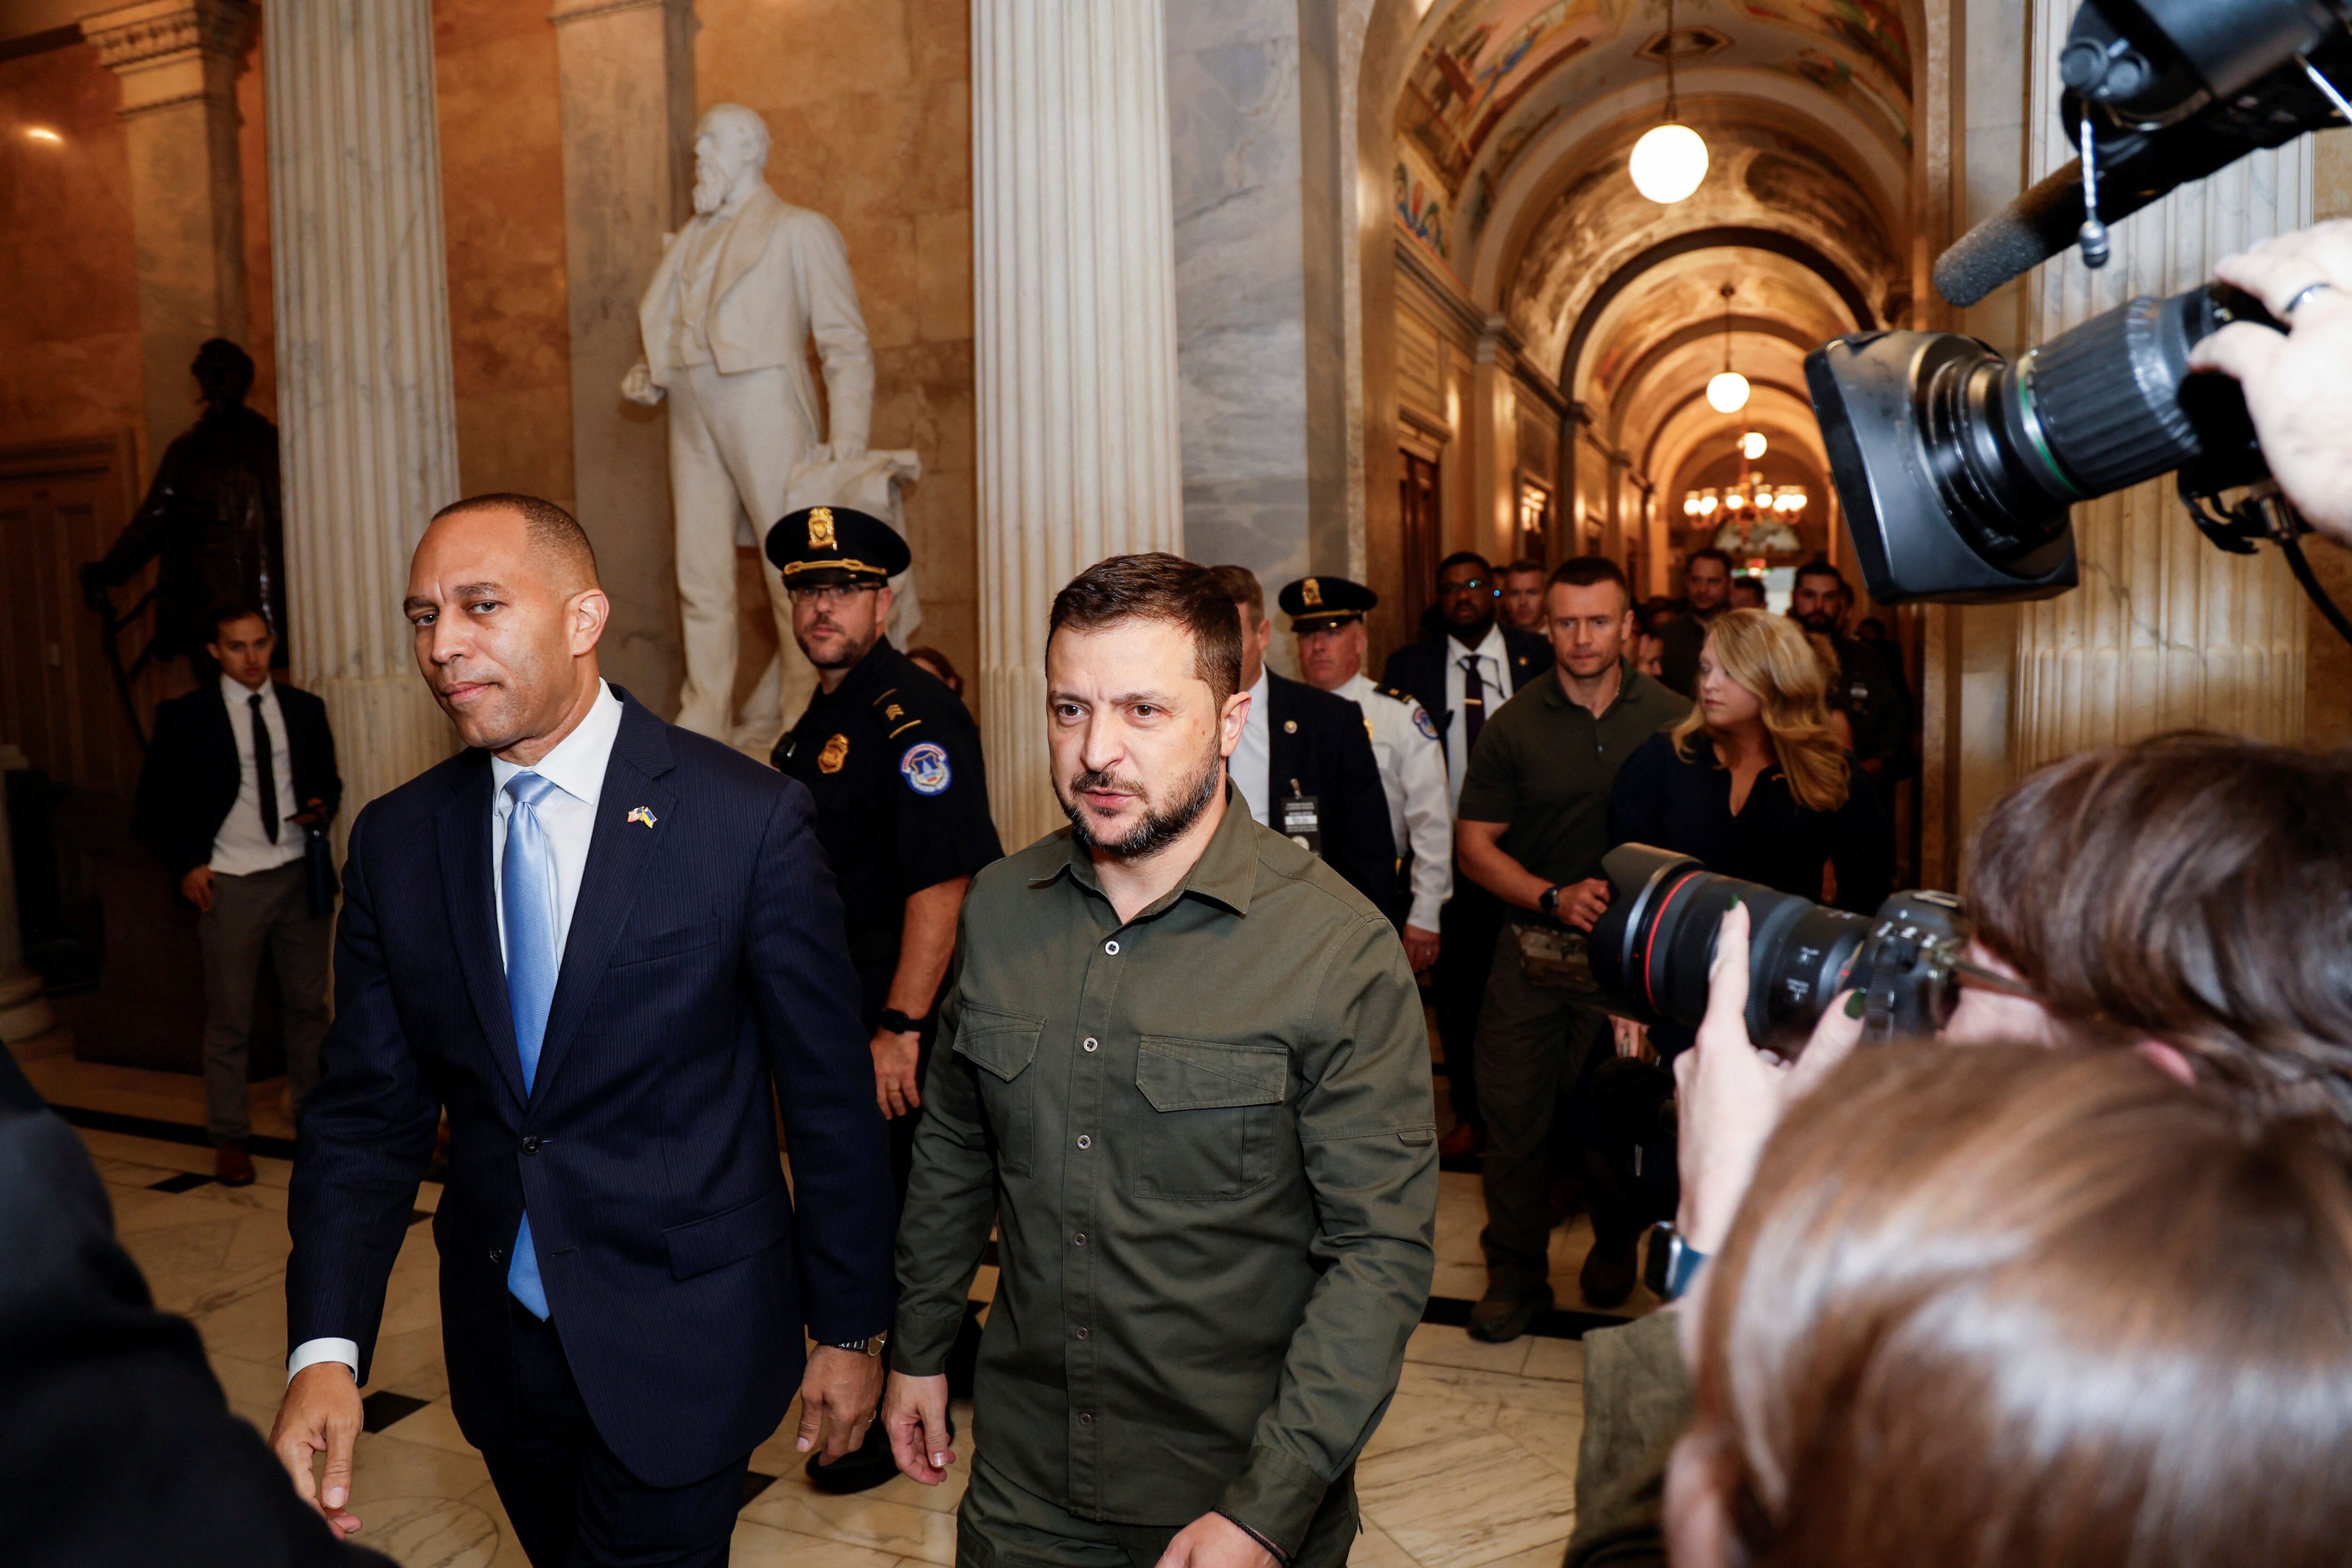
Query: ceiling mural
point(1482, 61)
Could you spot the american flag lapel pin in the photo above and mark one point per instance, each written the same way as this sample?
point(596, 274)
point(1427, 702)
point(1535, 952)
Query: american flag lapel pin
point(644, 814)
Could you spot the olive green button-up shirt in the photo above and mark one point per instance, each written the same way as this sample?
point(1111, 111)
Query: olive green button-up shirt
point(1206, 1140)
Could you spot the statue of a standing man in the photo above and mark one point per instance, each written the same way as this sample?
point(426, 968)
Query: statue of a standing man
point(726, 322)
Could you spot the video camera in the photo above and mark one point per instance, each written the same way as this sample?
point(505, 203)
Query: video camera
point(1653, 950)
point(1958, 469)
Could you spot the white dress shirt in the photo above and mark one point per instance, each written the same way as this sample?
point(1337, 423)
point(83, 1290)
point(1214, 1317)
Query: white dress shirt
point(1253, 759)
point(1493, 655)
point(240, 848)
point(1412, 774)
point(568, 815)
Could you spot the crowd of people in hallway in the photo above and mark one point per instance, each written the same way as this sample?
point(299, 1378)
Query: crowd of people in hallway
point(2081, 1294)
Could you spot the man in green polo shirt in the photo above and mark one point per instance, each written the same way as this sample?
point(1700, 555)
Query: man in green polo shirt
point(1531, 827)
point(1188, 1083)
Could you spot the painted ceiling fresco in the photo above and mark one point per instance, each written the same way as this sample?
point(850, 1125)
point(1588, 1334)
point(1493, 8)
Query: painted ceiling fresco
point(1492, 73)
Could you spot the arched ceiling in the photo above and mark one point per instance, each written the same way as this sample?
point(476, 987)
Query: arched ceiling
point(1514, 129)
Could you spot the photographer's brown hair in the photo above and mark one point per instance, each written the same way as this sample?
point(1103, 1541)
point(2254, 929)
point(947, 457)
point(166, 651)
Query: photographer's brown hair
point(2008, 1306)
point(2192, 889)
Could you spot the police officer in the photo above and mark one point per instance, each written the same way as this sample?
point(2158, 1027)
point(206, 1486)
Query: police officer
point(893, 760)
point(1326, 614)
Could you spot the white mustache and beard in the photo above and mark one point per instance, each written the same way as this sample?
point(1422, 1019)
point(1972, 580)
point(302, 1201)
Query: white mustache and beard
point(710, 182)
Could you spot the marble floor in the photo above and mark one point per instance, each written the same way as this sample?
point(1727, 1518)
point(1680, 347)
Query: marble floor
point(1475, 1464)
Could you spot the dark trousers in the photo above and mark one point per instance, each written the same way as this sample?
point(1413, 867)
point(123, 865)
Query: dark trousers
point(266, 911)
point(1531, 1040)
point(572, 1503)
point(1458, 986)
point(1001, 1525)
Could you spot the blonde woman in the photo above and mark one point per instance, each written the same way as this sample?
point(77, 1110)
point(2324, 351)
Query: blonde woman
point(1757, 782)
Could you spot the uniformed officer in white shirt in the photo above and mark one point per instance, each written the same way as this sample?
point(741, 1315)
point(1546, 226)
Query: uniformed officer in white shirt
point(1328, 616)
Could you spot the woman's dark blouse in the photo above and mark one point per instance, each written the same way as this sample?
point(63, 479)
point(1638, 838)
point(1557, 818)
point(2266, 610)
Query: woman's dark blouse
point(1660, 799)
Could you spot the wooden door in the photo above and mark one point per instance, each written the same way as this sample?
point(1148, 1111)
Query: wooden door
point(62, 504)
point(1424, 530)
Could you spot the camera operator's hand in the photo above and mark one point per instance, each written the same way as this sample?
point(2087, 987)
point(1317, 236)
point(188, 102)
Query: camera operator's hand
point(2299, 384)
point(1729, 1095)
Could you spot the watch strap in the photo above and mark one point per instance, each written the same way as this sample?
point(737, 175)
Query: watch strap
point(898, 1023)
point(872, 1345)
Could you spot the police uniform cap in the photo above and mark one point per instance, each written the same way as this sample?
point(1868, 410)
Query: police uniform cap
point(1318, 604)
point(835, 544)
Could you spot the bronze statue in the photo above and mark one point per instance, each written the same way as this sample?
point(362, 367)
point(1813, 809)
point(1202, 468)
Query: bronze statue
point(212, 514)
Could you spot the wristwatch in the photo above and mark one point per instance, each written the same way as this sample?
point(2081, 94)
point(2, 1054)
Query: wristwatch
point(871, 1346)
point(898, 1023)
point(1673, 1263)
point(1549, 899)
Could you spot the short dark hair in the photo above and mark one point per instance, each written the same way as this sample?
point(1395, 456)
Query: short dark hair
point(229, 610)
point(1710, 552)
point(1466, 558)
point(1587, 572)
point(2191, 887)
point(1159, 587)
point(1523, 564)
point(1819, 567)
point(553, 531)
point(1241, 584)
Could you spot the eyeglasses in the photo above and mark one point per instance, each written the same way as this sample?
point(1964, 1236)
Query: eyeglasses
point(825, 594)
point(1469, 585)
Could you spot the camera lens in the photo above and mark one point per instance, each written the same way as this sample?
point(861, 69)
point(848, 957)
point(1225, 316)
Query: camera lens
point(1654, 947)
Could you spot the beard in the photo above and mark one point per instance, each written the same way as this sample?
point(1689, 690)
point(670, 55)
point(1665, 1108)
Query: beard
point(710, 182)
point(1160, 826)
point(1820, 622)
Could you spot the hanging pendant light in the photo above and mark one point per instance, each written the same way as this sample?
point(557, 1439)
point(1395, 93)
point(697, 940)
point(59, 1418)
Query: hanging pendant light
point(1670, 160)
point(1727, 392)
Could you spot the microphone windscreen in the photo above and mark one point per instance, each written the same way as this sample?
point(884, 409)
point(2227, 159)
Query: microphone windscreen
point(2028, 232)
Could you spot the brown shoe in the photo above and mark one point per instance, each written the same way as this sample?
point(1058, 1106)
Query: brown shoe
point(1461, 1142)
point(232, 1166)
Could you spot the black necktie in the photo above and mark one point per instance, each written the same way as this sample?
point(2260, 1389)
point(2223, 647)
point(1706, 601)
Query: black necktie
point(1474, 704)
point(265, 776)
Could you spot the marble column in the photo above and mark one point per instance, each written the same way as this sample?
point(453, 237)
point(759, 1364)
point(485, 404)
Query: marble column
point(366, 409)
point(1253, 89)
point(178, 62)
point(2166, 630)
point(1074, 301)
point(24, 1011)
point(626, 79)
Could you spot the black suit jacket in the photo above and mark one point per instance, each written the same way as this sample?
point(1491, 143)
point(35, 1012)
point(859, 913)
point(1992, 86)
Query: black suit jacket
point(704, 960)
point(1320, 740)
point(117, 1449)
point(196, 764)
point(1420, 668)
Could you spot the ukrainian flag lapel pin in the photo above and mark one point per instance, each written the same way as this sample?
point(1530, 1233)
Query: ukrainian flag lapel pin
point(644, 814)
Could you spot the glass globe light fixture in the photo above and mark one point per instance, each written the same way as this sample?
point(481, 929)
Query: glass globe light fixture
point(1727, 392)
point(1752, 444)
point(1668, 162)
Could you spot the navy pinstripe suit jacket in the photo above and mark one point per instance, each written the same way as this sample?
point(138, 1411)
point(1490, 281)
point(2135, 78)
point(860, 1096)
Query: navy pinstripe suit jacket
point(704, 960)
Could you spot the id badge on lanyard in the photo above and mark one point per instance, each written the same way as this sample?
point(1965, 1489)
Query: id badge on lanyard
point(1301, 819)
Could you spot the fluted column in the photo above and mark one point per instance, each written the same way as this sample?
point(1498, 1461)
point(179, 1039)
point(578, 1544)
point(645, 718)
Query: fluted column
point(366, 409)
point(178, 62)
point(1074, 284)
point(2166, 630)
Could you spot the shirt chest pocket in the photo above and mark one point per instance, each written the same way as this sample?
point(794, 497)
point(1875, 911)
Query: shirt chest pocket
point(1002, 1045)
point(1211, 1115)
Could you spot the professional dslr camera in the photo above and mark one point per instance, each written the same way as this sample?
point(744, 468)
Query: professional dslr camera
point(1653, 950)
point(1958, 469)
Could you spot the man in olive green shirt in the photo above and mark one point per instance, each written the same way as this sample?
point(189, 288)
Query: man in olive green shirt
point(1189, 1085)
point(1531, 826)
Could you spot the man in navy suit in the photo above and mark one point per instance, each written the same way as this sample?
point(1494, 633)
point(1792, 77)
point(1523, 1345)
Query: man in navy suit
point(1466, 664)
point(596, 939)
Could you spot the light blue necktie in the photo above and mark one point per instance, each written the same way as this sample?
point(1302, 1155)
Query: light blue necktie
point(533, 954)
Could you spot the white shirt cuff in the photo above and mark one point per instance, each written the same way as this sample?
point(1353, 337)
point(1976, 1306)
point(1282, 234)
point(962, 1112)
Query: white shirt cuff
point(1425, 911)
point(310, 1353)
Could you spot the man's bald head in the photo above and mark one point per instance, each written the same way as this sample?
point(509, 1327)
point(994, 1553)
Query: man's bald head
point(558, 543)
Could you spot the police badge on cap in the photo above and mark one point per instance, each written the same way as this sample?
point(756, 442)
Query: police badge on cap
point(835, 544)
point(1318, 604)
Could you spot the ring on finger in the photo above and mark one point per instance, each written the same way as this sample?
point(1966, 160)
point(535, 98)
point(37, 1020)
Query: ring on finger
point(2303, 297)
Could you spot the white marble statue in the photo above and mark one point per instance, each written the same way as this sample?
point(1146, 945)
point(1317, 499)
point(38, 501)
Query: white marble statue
point(726, 322)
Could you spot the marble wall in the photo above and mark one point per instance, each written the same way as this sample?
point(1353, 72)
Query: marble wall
point(869, 105)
